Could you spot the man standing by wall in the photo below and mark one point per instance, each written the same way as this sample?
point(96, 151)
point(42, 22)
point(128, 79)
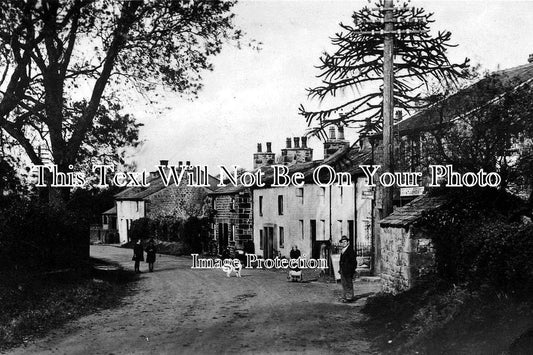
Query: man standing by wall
point(347, 265)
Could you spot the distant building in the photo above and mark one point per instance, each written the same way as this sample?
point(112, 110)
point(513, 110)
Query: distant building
point(159, 200)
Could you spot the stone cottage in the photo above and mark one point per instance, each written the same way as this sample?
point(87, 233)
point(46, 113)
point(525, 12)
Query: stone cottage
point(407, 253)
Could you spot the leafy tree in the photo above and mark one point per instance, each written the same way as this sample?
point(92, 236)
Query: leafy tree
point(489, 126)
point(64, 63)
point(357, 64)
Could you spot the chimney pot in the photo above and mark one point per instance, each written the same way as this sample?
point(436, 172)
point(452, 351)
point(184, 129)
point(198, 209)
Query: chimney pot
point(296, 142)
point(269, 147)
point(163, 162)
point(289, 143)
point(259, 148)
point(332, 133)
point(304, 142)
point(530, 59)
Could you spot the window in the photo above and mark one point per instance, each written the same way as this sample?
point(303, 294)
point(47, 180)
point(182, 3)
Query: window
point(261, 206)
point(322, 194)
point(341, 192)
point(339, 224)
point(323, 228)
point(281, 237)
point(302, 228)
point(233, 230)
point(300, 194)
point(280, 204)
point(232, 204)
point(261, 239)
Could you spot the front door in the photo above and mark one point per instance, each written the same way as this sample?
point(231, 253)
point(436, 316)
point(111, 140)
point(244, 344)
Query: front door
point(268, 240)
point(222, 236)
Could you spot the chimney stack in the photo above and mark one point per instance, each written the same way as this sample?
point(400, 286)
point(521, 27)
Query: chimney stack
point(259, 148)
point(304, 142)
point(398, 116)
point(341, 133)
point(332, 132)
point(188, 163)
point(269, 147)
point(163, 162)
point(296, 142)
point(289, 143)
point(180, 163)
point(530, 59)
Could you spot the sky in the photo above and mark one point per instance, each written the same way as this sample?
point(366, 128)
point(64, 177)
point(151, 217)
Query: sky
point(253, 96)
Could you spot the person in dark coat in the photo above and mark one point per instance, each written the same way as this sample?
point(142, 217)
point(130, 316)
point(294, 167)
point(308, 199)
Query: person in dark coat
point(138, 255)
point(295, 255)
point(150, 255)
point(347, 266)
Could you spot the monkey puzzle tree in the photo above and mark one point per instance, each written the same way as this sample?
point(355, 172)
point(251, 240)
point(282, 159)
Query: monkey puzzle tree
point(64, 64)
point(358, 61)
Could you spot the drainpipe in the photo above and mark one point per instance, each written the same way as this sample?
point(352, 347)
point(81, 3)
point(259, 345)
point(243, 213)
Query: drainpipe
point(330, 237)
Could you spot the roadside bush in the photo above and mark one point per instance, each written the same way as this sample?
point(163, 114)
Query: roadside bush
point(476, 242)
point(175, 235)
point(38, 236)
point(141, 229)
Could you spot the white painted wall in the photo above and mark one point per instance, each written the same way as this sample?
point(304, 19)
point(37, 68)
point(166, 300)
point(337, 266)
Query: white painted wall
point(315, 206)
point(128, 211)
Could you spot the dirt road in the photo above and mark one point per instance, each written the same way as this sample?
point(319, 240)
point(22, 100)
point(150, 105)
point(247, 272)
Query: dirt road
point(179, 310)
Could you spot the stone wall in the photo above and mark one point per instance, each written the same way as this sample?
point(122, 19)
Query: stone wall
point(406, 257)
point(235, 210)
point(180, 201)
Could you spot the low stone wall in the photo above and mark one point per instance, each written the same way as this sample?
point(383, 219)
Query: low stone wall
point(406, 257)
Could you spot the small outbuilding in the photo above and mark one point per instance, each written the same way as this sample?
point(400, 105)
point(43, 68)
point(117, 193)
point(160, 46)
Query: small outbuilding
point(407, 253)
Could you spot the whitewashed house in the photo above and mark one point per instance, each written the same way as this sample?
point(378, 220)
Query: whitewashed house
point(315, 217)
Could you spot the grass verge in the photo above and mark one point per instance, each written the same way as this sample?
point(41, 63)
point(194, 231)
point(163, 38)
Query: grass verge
point(33, 304)
point(435, 319)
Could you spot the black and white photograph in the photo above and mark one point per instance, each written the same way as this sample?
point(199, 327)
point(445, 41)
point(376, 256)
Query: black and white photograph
point(266, 177)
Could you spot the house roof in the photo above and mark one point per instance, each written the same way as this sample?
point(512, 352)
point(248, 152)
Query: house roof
point(156, 185)
point(406, 215)
point(473, 97)
point(344, 160)
point(111, 210)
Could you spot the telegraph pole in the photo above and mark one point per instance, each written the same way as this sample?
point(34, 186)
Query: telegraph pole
point(388, 100)
point(388, 18)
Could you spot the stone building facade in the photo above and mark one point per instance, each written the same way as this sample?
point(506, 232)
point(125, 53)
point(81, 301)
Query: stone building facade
point(232, 217)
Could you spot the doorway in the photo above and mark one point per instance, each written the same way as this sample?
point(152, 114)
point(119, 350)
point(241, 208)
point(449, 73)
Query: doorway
point(268, 243)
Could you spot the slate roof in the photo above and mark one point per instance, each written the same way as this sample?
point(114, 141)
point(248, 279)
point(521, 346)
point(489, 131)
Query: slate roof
point(406, 215)
point(156, 184)
point(111, 211)
point(471, 98)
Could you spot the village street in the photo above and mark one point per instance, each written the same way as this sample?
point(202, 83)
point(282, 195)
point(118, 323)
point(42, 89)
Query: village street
point(178, 310)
